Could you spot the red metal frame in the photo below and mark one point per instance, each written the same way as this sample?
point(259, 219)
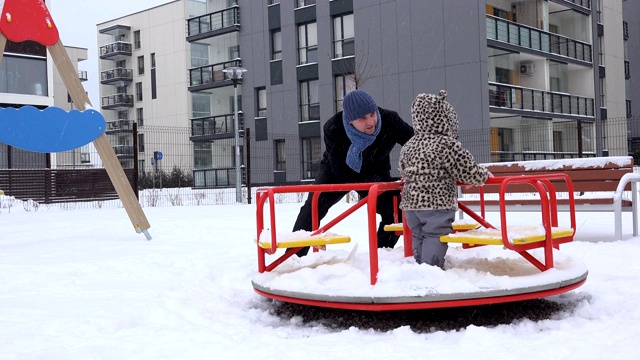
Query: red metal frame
point(541, 183)
point(267, 194)
point(548, 211)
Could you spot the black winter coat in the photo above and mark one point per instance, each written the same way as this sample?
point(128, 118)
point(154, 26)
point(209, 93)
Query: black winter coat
point(376, 164)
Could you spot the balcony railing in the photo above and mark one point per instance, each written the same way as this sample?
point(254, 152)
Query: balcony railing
point(211, 73)
point(117, 74)
point(532, 38)
point(116, 48)
point(117, 101)
point(213, 21)
point(224, 177)
point(516, 97)
point(627, 70)
point(120, 125)
point(584, 3)
point(214, 125)
point(506, 156)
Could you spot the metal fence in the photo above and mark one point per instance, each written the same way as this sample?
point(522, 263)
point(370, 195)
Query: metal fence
point(173, 179)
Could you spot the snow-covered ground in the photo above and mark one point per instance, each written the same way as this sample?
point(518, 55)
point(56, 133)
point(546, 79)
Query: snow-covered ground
point(82, 284)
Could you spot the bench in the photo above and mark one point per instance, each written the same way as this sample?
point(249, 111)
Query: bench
point(599, 185)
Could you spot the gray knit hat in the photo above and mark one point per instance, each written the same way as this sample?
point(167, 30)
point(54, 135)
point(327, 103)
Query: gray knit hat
point(357, 104)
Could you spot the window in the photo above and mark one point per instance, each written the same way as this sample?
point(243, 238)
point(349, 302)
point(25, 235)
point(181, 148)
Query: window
point(261, 102)
point(21, 75)
point(201, 104)
point(301, 3)
point(281, 156)
point(273, 2)
point(344, 85)
point(343, 34)
point(140, 65)
point(309, 105)
point(153, 76)
point(202, 154)
point(276, 45)
point(140, 142)
point(234, 52)
point(307, 44)
point(136, 39)
point(140, 116)
point(310, 157)
point(123, 115)
point(138, 91)
point(199, 55)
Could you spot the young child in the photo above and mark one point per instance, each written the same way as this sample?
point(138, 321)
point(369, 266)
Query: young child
point(431, 162)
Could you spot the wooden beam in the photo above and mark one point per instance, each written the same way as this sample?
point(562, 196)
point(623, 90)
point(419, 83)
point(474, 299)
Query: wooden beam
point(107, 155)
point(3, 44)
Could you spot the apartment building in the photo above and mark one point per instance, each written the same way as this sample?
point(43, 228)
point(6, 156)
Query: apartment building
point(143, 81)
point(533, 79)
point(77, 158)
point(631, 36)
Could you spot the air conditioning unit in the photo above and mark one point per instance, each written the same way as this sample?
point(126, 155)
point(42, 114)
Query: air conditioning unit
point(527, 68)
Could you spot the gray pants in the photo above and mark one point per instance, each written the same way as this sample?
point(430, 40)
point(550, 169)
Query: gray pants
point(427, 226)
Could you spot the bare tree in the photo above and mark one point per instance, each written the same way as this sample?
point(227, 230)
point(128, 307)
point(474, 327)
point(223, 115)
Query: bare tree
point(360, 69)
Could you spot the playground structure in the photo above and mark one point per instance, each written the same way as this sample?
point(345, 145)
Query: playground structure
point(545, 239)
point(23, 20)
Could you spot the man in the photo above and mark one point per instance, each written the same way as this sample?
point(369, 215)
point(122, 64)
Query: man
point(358, 141)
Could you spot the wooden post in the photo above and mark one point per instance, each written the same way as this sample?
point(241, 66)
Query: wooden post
point(102, 145)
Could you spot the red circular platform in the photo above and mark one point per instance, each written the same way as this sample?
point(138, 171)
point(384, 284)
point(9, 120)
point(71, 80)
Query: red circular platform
point(472, 278)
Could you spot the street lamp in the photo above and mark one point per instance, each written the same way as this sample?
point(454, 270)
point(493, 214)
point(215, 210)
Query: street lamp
point(235, 74)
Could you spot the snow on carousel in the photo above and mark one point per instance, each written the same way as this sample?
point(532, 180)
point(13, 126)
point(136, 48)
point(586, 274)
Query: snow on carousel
point(526, 264)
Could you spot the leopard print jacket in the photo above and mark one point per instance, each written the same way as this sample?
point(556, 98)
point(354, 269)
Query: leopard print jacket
point(433, 160)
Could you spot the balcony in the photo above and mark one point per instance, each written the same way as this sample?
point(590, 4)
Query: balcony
point(116, 75)
point(213, 24)
point(526, 99)
point(82, 75)
point(214, 127)
point(211, 76)
point(531, 38)
point(115, 51)
point(119, 126)
point(123, 151)
point(117, 101)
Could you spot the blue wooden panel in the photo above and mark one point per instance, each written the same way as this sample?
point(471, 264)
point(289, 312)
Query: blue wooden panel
point(49, 130)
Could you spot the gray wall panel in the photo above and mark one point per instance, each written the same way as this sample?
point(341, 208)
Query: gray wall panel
point(427, 35)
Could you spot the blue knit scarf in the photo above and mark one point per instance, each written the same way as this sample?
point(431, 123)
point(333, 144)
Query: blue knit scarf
point(359, 142)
